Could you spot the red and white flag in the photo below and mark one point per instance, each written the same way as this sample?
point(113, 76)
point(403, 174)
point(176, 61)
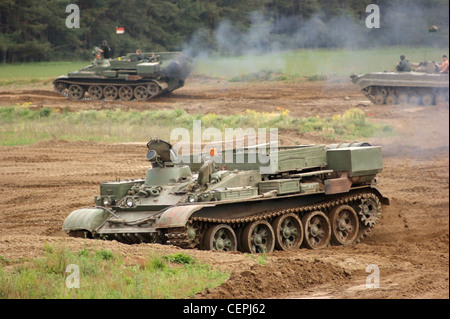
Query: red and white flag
point(120, 30)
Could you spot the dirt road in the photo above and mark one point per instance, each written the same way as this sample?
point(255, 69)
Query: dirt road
point(41, 184)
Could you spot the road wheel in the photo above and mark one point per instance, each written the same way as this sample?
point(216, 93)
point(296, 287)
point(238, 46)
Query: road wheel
point(76, 92)
point(141, 93)
point(391, 99)
point(414, 99)
point(220, 237)
point(288, 231)
point(95, 92)
point(379, 99)
point(402, 98)
point(427, 99)
point(258, 237)
point(316, 226)
point(126, 92)
point(153, 89)
point(110, 92)
point(344, 225)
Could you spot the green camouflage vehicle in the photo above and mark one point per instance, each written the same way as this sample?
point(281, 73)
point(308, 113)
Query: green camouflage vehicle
point(424, 86)
point(282, 198)
point(126, 78)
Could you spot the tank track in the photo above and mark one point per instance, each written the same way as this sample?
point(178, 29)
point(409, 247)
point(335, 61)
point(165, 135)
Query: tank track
point(367, 94)
point(418, 96)
point(180, 236)
point(64, 90)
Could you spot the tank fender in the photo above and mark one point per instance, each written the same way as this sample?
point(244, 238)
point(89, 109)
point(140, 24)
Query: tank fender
point(177, 216)
point(85, 219)
point(383, 199)
point(162, 85)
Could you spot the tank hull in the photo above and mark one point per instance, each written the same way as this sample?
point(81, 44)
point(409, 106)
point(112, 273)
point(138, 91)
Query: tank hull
point(414, 88)
point(125, 78)
point(316, 196)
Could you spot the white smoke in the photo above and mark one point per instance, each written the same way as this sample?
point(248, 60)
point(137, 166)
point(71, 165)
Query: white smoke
point(402, 23)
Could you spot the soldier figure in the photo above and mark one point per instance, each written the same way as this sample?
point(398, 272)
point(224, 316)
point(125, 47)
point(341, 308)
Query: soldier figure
point(139, 55)
point(105, 49)
point(106, 52)
point(403, 65)
point(443, 67)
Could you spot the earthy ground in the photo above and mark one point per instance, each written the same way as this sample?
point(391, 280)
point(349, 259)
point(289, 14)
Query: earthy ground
point(41, 184)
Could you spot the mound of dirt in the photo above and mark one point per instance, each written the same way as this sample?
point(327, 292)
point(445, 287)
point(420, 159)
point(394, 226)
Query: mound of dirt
point(278, 277)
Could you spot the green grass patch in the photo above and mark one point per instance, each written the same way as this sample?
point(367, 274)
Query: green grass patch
point(106, 274)
point(36, 72)
point(20, 125)
point(180, 258)
point(312, 64)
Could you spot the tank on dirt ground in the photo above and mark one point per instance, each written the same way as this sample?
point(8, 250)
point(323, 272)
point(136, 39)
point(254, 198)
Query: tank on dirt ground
point(282, 198)
point(424, 86)
point(126, 78)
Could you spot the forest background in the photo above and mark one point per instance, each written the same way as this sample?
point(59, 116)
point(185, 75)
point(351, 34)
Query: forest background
point(36, 30)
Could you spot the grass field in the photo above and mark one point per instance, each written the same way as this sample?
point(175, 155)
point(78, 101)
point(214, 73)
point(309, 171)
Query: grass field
point(316, 62)
point(293, 64)
point(25, 73)
point(21, 125)
point(103, 274)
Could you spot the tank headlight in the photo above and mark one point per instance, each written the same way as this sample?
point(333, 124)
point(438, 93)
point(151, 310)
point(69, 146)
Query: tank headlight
point(106, 201)
point(206, 197)
point(130, 202)
point(191, 198)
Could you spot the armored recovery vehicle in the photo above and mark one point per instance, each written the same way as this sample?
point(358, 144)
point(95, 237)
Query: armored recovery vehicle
point(126, 78)
point(424, 86)
point(285, 198)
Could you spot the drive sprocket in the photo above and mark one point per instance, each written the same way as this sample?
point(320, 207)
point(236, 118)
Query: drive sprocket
point(369, 210)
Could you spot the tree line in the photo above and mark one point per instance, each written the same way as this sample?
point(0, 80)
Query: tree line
point(36, 30)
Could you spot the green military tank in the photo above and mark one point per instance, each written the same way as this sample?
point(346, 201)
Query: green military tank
point(126, 78)
point(282, 198)
point(423, 86)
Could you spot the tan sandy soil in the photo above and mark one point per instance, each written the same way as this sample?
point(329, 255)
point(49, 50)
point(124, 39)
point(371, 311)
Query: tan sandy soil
point(41, 184)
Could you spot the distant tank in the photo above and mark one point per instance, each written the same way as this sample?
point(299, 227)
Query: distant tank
point(424, 86)
point(312, 196)
point(126, 78)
